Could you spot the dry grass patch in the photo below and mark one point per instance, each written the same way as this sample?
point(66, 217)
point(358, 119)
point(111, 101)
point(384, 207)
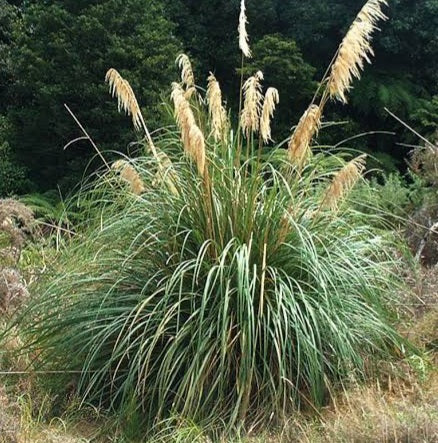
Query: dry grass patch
point(422, 329)
point(406, 411)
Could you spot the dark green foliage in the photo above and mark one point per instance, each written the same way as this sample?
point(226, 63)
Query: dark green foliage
point(49, 210)
point(391, 197)
point(8, 20)
point(373, 93)
point(60, 53)
point(427, 117)
point(13, 177)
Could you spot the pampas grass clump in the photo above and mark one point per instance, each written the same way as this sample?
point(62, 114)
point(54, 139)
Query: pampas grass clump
point(229, 289)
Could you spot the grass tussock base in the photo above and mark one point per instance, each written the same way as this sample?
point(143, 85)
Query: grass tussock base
point(404, 413)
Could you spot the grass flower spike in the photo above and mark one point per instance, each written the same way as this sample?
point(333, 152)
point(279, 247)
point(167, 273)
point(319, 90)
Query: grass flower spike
point(272, 99)
point(252, 106)
point(217, 112)
point(187, 76)
point(355, 50)
point(343, 182)
point(191, 134)
point(127, 102)
point(243, 34)
point(299, 145)
point(130, 175)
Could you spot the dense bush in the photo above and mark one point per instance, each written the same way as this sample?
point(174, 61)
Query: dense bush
point(230, 285)
point(13, 177)
point(57, 53)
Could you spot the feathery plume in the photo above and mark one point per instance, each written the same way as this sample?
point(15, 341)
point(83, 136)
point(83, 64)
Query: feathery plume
point(355, 49)
point(129, 175)
point(120, 88)
point(272, 98)
point(197, 147)
point(183, 112)
point(187, 76)
point(166, 173)
point(188, 94)
point(343, 182)
point(192, 137)
point(252, 106)
point(243, 35)
point(217, 112)
point(308, 126)
point(127, 102)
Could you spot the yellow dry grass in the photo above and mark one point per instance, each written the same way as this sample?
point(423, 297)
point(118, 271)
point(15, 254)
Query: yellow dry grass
point(129, 175)
point(127, 102)
point(191, 135)
point(348, 63)
point(216, 110)
point(187, 75)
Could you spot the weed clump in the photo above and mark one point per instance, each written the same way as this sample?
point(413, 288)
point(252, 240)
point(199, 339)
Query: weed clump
point(16, 224)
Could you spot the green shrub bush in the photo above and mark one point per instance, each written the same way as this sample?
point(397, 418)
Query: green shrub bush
point(13, 178)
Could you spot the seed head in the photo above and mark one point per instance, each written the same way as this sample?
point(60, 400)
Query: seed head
point(216, 110)
point(343, 182)
point(129, 175)
point(299, 145)
point(127, 102)
point(243, 35)
point(355, 49)
point(272, 98)
point(252, 107)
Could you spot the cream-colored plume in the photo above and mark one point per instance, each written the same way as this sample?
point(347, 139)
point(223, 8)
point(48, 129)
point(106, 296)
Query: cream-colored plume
point(166, 173)
point(355, 49)
point(187, 76)
point(120, 88)
point(272, 98)
point(343, 182)
point(192, 137)
point(217, 112)
point(243, 34)
point(197, 147)
point(129, 175)
point(299, 148)
point(252, 106)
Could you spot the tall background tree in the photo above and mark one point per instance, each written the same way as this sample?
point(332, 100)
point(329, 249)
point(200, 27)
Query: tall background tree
point(13, 177)
point(60, 52)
